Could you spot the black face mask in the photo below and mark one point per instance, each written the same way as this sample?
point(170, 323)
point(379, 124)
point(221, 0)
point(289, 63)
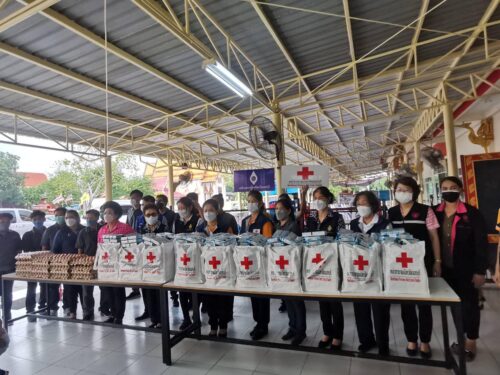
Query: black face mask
point(450, 196)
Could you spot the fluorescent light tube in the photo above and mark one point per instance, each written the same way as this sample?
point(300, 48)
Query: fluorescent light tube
point(218, 71)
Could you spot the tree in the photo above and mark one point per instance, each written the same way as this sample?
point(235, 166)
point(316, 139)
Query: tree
point(11, 182)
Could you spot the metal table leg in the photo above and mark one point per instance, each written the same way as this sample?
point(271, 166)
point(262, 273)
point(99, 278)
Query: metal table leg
point(4, 310)
point(196, 313)
point(165, 328)
point(462, 369)
point(446, 337)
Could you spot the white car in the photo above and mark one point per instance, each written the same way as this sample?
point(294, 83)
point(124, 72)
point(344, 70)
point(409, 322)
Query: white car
point(21, 223)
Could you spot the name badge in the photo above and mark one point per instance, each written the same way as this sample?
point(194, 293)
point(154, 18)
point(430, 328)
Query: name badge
point(256, 231)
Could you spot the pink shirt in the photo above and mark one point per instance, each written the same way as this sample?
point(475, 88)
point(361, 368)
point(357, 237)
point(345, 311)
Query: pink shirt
point(120, 228)
point(431, 221)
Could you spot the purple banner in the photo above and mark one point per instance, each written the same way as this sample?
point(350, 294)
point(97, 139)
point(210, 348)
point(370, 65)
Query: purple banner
point(258, 179)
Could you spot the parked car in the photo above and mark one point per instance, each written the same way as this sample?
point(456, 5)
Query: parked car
point(21, 223)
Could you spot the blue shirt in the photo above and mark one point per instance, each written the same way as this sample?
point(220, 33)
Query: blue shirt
point(65, 241)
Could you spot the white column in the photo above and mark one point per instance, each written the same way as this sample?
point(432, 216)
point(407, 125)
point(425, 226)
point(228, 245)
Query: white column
point(108, 178)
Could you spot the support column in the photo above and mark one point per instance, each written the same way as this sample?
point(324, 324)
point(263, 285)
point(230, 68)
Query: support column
point(281, 159)
point(171, 199)
point(108, 178)
point(418, 168)
point(450, 141)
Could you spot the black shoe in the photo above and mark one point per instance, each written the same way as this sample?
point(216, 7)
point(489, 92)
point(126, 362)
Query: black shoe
point(383, 350)
point(154, 325)
point(105, 312)
point(282, 308)
point(259, 334)
point(110, 320)
point(176, 303)
point(412, 352)
point(31, 319)
point(288, 336)
point(297, 340)
point(204, 308)
point(426, 355)
point(336, 348)
point(252, 332)
point(324, 344)
point(118, 322)
point(133, 295)
point(144, 316)
point(88, 317)
point(366, 347)
point(223, 333)
point(185, 324)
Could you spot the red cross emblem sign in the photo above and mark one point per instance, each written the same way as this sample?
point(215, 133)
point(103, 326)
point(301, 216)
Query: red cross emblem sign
point(246, 263)
point(404, 260)
point(282, 262)
point(214, 262)
point(130, 257)
point(151, 257)
point(305, 173)
point(185, 259)
point(317, 259)
point(105, 256)
point(361, 263)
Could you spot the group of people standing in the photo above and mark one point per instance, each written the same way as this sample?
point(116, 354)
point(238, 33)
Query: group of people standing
point(454, 234)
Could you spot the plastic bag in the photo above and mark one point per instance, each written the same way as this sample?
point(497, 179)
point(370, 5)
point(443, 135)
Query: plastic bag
point(250, 263)
point(188, 263)
point(284, 268)
point(106, 261)
point(320, 268)
point(130, 263)
point(361, 268)
point(218, 266)
point(158, 263)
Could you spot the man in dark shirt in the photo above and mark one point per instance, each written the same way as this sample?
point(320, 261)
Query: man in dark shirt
point(11, 246)
point(86, 243)
point(65, 243)
point(168, 216)
point(47, 244)
point(133, 219)
point(32, 241)
point(228, 219)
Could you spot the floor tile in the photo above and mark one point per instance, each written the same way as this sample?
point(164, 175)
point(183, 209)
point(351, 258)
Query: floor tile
point(242, 357)
point(113, 363)
point(56, 370)
point(282, 362)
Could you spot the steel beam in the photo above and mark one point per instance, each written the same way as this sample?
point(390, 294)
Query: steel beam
point(24, 13)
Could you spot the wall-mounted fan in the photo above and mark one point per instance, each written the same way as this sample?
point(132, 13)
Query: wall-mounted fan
point(265, 138)
point(432, 157)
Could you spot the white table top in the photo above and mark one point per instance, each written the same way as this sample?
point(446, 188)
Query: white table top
point(440, 291)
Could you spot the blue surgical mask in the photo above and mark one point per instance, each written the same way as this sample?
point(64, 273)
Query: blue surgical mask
point(59, 220)
point(4, 227)
point(38, 224)
point(91, 223)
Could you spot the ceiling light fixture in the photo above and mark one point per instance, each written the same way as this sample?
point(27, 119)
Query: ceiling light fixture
point(219, 71)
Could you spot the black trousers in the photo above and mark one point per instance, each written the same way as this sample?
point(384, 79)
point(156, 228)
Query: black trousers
point(88, 302)
point(31, 296)
point(219, 309)
point(71, 294)
point(7, 285)
point(381, 322)
point(145, 297)
point(53, 300)
point(152, 303)
point(471, 314)
point(415, 326)
point(117, 299)
point(104, 305)
point(261, 309)
point(186, 301)
point(296, 316)
point(332, 317)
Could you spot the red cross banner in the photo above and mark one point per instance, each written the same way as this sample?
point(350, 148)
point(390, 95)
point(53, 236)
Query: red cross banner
point(300, 175)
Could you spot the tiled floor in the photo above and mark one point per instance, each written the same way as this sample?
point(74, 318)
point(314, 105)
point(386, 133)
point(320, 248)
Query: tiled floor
point(64, 348)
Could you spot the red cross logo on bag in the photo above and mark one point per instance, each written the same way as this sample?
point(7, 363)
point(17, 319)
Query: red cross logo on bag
point(105, 257)
point(151, 257)
point(317, 259)
point(185, 259)
point(305, 173)
point(246, 263)
point(214, 263)
point(361, 263)
point(282, 262)
point(404, 260)
point(129, 256)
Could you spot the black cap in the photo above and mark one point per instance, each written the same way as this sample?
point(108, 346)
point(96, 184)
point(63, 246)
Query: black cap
point(8, 215)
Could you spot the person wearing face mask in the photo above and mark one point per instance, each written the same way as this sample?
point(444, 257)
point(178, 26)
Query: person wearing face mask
point(185, 222)
point(219, 308)
point(285, 221)
point(152, 225)
point(135, 212)
point(370, 221)
point(65, 243)
point(420, 221)
point(258, 222)
point(11, 246)
point(464, 247)
point(228, 219)
point(86, 243)
point(32, 241)
point(114, 295)
point(326, 220)
point(47, 244)
point(167, 216)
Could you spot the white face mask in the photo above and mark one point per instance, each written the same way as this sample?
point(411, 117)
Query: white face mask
point(281, 214)
point(71, 222)
point(152, 220)
point(364, 211)
point(319, 204)
point(253, 207)
point(210, 216)
point(404, 197)
point(183, 214)
point(108, 218)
